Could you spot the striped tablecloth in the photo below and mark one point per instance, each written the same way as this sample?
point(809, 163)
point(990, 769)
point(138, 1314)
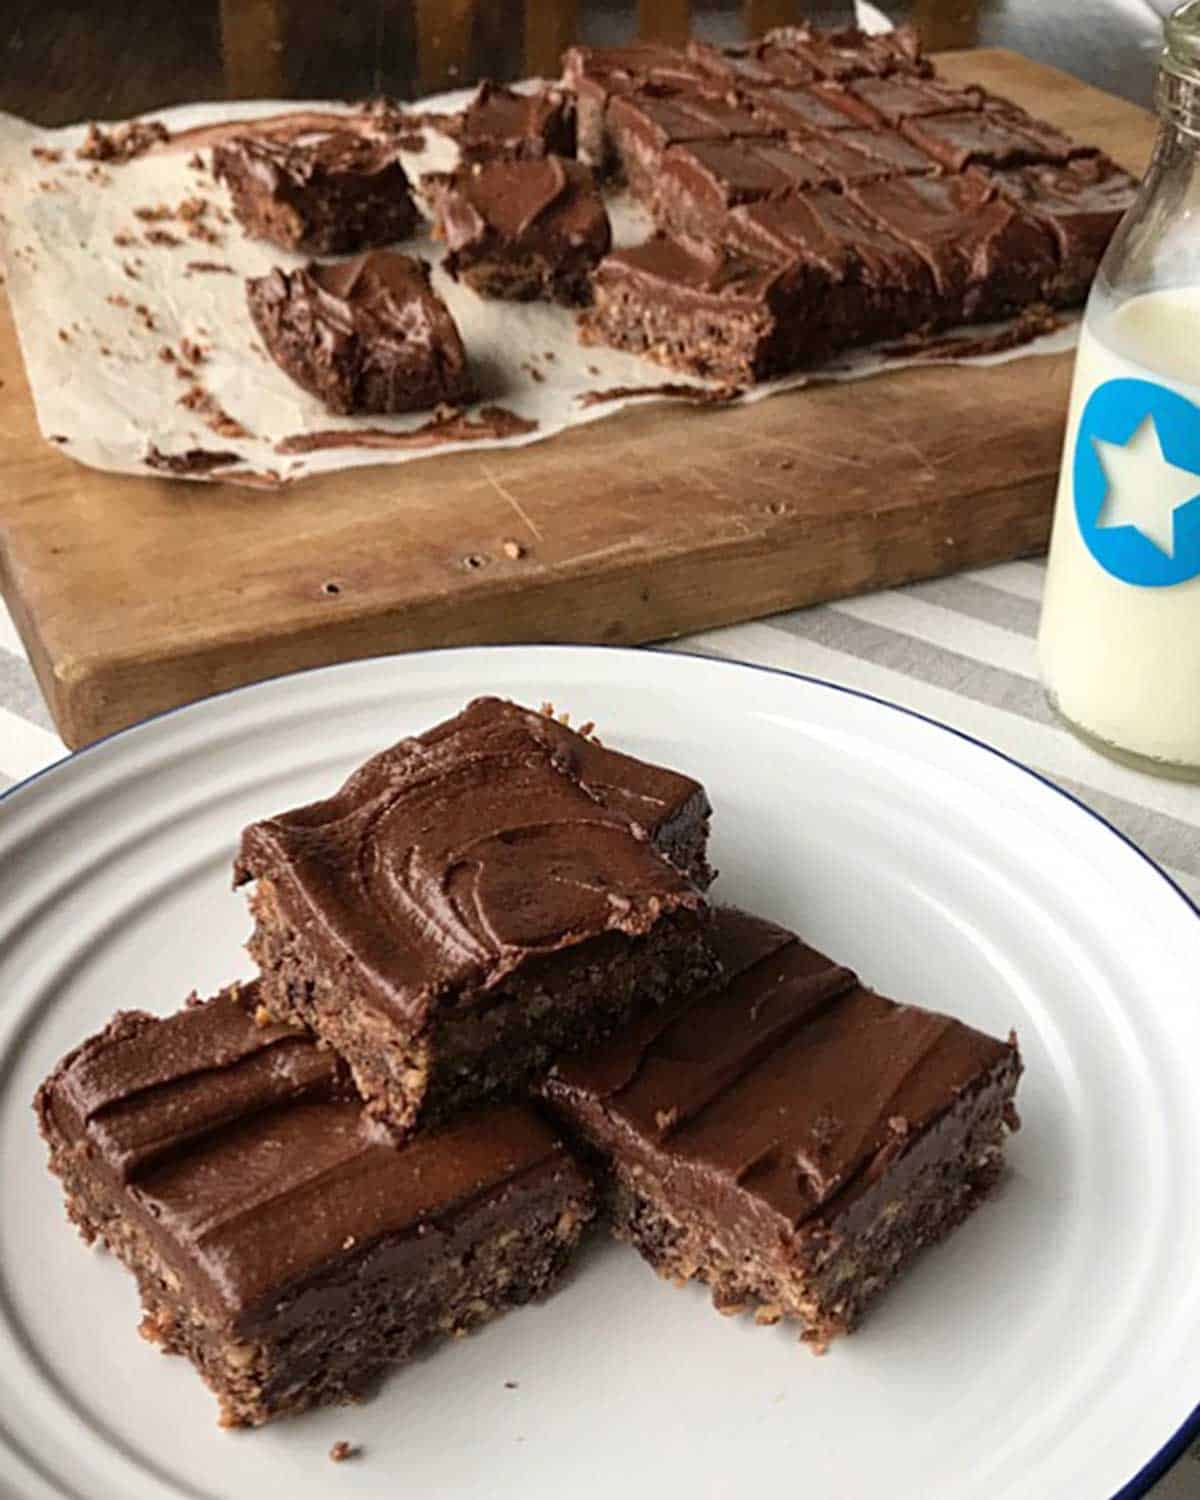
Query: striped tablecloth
point(959, 649)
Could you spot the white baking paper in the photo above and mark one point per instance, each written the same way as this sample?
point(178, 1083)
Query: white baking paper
point(93, 315)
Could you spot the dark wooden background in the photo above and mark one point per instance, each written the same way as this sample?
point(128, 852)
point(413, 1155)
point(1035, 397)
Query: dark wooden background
point(66, 60)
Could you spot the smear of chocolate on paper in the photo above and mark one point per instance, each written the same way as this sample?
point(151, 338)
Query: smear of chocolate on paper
point(451, 427)
point(191, 461)
point(720, 395)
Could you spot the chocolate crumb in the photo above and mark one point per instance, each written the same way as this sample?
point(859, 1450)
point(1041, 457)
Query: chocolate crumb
point(513, 550)
point(210, 411)
point(162, 237)
point(510, 1385)
point(45, 153)
point(116, 299)
point(191, 209)
point(64, 336)
point(122, 143)
point(536, 374)
point(123, 239)
point(342, 1450)
point(209, 265)
point(786, 463)
point(167, 354)
point(153, 215)
point(130, 270)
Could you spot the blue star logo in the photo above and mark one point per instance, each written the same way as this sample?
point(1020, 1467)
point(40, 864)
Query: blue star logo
point(1136, 470)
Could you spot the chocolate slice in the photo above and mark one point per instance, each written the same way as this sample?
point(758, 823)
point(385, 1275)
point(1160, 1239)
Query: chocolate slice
point(500, 121)
point(521, 229)
point(986, 256)
point(326, 194)
point(469, 906)
point(792, 1139)
point(363, 335)
point(1080, 205)
point(278, 1242)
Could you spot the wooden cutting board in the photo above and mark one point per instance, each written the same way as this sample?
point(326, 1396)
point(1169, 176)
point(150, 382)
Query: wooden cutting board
point(134, 595)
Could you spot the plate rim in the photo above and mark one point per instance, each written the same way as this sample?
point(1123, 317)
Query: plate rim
point(1160, 1462)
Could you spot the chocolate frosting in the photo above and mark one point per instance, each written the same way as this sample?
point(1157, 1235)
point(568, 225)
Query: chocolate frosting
point(680, 271)
point(527, 204)
point(830, 231)
point(901, 98)
point(988, 137)
point(805, 109)
point(960, 227)
point(276, 163)
point(240, 1150)
point(446, 863)
point(1080, 203)
point(792, 1083)
point(500, 121)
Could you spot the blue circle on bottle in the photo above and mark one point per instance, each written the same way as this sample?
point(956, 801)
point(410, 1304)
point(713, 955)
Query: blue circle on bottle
point(1113, 414)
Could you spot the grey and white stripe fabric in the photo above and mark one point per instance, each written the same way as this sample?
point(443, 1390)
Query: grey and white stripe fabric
point(962, 651)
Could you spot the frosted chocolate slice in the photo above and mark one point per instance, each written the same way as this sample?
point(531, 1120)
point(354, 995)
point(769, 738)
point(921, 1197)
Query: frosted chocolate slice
point(1080, 205)
point(986, 256)
point(474, 903)
point(328, 194)
point(521, 229)
point(642, 126)
point(791, 1139)
point(278, 1241)
point(499, 121)
point(363, 335)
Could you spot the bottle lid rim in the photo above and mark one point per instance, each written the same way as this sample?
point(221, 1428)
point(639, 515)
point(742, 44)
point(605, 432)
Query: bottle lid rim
point(1181, 35)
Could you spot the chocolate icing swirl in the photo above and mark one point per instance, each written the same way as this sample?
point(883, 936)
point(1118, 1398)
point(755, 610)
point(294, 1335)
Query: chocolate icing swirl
point(447, 862)
point(792, 1082)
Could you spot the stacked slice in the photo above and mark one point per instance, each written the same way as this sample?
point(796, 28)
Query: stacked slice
point(491, 927)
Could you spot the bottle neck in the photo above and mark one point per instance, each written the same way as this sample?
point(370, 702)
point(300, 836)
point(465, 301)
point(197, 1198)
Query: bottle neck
point(1177, 96)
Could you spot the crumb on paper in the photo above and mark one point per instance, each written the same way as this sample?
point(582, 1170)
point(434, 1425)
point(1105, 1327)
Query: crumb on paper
point(122, 143)
point(262, 1016)
point(116, 299)
point(48, 154)
point(342, 1450)
point(204, 266)
point(63, 336)
point(510, 1385)
point(512, 549)
point(212, 413)
point(130, 270)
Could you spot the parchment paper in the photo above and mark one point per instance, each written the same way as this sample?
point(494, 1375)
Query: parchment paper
point(99, 292)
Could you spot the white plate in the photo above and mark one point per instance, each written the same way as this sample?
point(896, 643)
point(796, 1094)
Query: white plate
point(1048, 1351)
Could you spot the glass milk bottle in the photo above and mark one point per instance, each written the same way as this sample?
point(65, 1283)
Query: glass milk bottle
point(1119, 643)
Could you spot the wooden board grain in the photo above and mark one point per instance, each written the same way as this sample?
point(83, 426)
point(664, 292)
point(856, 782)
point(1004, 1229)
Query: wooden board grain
point(135, 595)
